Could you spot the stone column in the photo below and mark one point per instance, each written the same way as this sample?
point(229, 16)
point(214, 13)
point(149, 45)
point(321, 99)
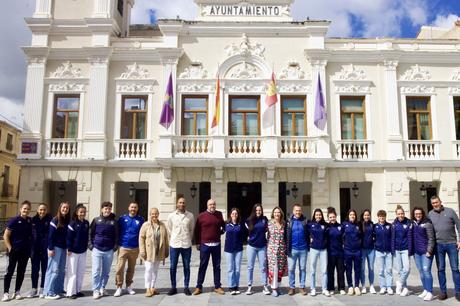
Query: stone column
point(394, 135)
point(43, 9)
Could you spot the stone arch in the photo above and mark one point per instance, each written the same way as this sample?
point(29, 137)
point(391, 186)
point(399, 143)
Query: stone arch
point(258, 62)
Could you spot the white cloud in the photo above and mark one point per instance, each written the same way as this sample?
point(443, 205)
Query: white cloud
point(446, 21)
point(12, 111)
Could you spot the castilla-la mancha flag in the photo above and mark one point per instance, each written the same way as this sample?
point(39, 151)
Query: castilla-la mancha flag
point(216, 117)
point(271, 96)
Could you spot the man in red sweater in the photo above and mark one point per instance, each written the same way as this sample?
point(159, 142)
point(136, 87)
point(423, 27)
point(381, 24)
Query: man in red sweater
point(208, 229)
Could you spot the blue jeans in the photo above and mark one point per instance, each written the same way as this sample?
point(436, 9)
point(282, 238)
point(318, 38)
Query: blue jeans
point(369, 256)
point(233, 268)
point(205, 253)
point(55, 272)
point(451, 250)
point(424, 264)
point(353, 264)
point(402, 266)
point(102, 262)
point(385, 262)
point(301, 257)
point(261, 254)
point(322, 255)
point(186, 255)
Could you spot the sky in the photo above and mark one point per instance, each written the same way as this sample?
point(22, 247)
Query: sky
point(350, 18)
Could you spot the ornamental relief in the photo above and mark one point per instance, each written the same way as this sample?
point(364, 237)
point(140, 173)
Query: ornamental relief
point(293, 88)
point(194, 71)
point(350, 73)
point(416, 73)
point(196, 87)
point(243, 71)
point(353, 88)
point(135, 88)
point(135, 72)
point(245, 48)
point(454, 90)
point(418, 89)
point(456, 76)
point(66, 71)
point(292, 72)
point(246, 88)
point(67, 87)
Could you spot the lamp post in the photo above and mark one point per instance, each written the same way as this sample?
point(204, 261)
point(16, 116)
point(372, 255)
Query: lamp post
point(295, 191)
point(355, 189)
point(132, 190)
point(61, 190)
point(193, 190)
point(423, 190)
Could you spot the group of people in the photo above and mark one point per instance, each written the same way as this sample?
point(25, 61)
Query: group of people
point(58, 246)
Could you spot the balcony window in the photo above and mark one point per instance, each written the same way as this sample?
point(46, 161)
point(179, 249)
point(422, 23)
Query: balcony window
point(244, 116)
point(66, 113)
point(9, 142)
point(353, 118)
point(195, 115)
point(6, 181)
point(134, 117)
point(418, 118)
point(457, 116)
point(293, 116)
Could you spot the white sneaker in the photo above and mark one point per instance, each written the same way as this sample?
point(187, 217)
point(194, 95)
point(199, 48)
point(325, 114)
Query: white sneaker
point(404, 292)
point(389, 291)
point(233, 292)
point(428, 296)
point(342, 292)
point(266, 291)
point(32, 294)
point(130, 291)
point(383, 290)
point(326, 293)
point(357, 291)
point(372, 290)
point(96, 295)
point(249, 290)
point(118, 292)
point(53, 297)
point(351, 291)
point(17, 296)
point(313, 292)
point(103, 292)
point(237, 292)
point(6, 297)
point(364, 290)
point(423, 294)
point(398, 287)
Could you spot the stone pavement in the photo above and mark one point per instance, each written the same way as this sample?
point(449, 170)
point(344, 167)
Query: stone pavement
point(212, 299)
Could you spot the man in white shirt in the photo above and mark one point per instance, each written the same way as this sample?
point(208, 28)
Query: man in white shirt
point(180, 225)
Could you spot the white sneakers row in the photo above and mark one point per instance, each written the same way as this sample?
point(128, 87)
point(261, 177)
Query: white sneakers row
point(16, 296)
point(97, 294)
point(265, 290)
point(426, 296)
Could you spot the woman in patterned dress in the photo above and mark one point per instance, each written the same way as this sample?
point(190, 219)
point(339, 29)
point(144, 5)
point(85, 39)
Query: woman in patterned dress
point(276, 251)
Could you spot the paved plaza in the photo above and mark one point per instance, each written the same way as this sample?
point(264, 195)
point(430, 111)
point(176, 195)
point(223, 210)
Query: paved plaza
point(208, 298)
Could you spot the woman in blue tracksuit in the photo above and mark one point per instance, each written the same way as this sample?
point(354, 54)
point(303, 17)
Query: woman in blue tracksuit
point(401, 247)
point(257, 226)
point(317, 228)
point(424, 243)
point(234, 238)
point(382, 230)
point(40, 229)
point(57, 253)
point(335, 253)
point(368, 251)
point(352, 239)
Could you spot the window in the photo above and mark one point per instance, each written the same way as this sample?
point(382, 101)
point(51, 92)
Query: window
point(293, 116)
point(66, 112)
point(134, 117)
point(6, 181)
point(244, 116)
point(195, 115)
point(353, 118)
point(9, 142)
point(457, 116)
point(418, 118)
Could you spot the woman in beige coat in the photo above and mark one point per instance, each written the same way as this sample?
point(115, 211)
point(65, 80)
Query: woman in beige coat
point(153, 249)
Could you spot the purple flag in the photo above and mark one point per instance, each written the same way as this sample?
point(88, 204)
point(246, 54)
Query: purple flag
point(320, 107)
point(167, 113)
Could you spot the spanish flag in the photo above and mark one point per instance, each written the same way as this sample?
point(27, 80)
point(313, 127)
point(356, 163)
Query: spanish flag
point(271, 96)
point(216, 117)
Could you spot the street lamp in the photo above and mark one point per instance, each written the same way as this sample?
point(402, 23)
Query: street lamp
point(294, 191)
point(423, 190)
point(244, 191)
point(193, 190)
point(355, 189)
point(61, 190)
point(132, 190)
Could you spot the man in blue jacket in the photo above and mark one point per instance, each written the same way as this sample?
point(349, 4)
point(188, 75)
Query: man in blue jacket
point(129, 226)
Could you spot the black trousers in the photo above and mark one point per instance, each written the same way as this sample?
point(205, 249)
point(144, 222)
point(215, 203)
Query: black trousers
point(19, 258)
point(39, 261)
point(335, 263)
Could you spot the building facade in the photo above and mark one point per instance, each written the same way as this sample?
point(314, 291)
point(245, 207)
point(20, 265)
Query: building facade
point(96, 86)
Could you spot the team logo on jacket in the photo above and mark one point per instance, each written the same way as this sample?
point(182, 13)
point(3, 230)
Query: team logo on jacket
point(405, 226)
point(339, 228)
point(19, 221)
point(388, 227)
point(112, 222)
point(137, 222)
point(357, 227)
point(322, 226)
point(126, 220)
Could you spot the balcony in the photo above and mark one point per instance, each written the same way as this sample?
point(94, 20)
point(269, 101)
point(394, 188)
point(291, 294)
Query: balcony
point(132, 149)
point(244, 146)
point(298, 146)
point(348, 150)
point(192, 146)
point(422, 149)
point(63, 148)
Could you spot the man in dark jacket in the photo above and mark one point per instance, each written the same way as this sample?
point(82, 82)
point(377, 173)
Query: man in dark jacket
point(103, 241)
point(297, 246)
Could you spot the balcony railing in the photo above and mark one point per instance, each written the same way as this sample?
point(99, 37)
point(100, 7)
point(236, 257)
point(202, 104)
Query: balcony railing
point(132, 149)
point(244, 146)
point(297, 146)
point(354, 149)
point(422, 149)
point(62, 148)
point(192, 146)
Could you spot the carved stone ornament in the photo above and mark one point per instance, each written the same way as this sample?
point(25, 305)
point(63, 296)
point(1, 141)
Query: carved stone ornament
point(196, 87)
point(133, 87)
point(416, 73)
point(246, 88)
point(418, 89)
point(350, 73)
point(456, 76)
point(454, 90)
point(66, 71)
point(243, 71)
point(66, 86)
point(245, 48)
point(292, 88)
point(292, 72)
point(353, 88)
point(194, 71)
point(135, 72)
